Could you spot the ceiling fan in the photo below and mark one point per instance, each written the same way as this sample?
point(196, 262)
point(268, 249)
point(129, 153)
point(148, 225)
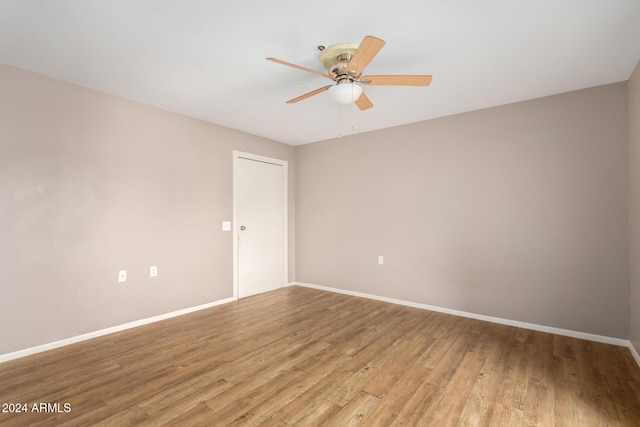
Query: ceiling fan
point(345, 63)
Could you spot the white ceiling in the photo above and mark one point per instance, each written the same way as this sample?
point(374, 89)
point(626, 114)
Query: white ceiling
point(206, 58)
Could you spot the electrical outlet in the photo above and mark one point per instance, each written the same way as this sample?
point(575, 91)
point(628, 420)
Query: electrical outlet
point(153, 271)
point(122, 276)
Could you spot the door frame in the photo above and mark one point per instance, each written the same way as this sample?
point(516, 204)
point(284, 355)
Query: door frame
point(237, 155)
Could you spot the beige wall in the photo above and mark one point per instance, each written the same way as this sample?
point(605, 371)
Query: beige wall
point(517, 212)
point(90, 184)
point(633, 115)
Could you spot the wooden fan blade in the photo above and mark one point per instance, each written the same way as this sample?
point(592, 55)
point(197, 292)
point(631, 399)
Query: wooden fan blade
point(363, 102)
point(365, 53)
point(397, 80)
point(309, 94)
point(300, 67)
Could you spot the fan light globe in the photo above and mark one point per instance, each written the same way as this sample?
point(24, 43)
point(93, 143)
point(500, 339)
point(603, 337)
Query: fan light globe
point(345, 93)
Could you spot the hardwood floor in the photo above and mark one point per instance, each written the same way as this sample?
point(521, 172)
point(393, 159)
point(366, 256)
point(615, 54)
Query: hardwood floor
point(300, 356)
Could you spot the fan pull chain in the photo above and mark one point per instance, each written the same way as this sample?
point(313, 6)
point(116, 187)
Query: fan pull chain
point(339, 120)
point(353, 119)
point(341, 124)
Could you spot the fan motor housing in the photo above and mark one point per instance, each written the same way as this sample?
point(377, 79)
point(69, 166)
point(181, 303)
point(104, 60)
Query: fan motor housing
point(336, 57)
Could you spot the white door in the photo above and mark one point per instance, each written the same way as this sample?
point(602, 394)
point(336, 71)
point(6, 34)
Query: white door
point(260, 223)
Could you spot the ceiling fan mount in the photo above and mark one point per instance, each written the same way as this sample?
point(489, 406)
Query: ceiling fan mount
point(345, 63)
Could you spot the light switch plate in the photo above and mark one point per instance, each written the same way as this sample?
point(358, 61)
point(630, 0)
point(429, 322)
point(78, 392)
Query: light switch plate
point(122, 276)
point(226, 225)
point(380, 259)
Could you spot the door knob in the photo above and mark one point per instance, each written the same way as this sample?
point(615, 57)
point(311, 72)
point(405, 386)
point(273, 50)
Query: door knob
point(242, 228)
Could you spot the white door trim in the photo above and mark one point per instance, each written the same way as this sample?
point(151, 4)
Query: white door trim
point(285, 184)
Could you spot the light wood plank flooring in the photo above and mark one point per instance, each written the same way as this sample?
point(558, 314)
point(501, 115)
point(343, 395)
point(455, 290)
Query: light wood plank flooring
point(301, 357)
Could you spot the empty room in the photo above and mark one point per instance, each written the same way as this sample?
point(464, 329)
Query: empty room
point(420, 213)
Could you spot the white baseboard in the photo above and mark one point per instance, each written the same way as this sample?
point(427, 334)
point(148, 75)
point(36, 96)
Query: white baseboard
point(525, 325)
point(49, 346)
point(565, 332)
point(634, 353)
